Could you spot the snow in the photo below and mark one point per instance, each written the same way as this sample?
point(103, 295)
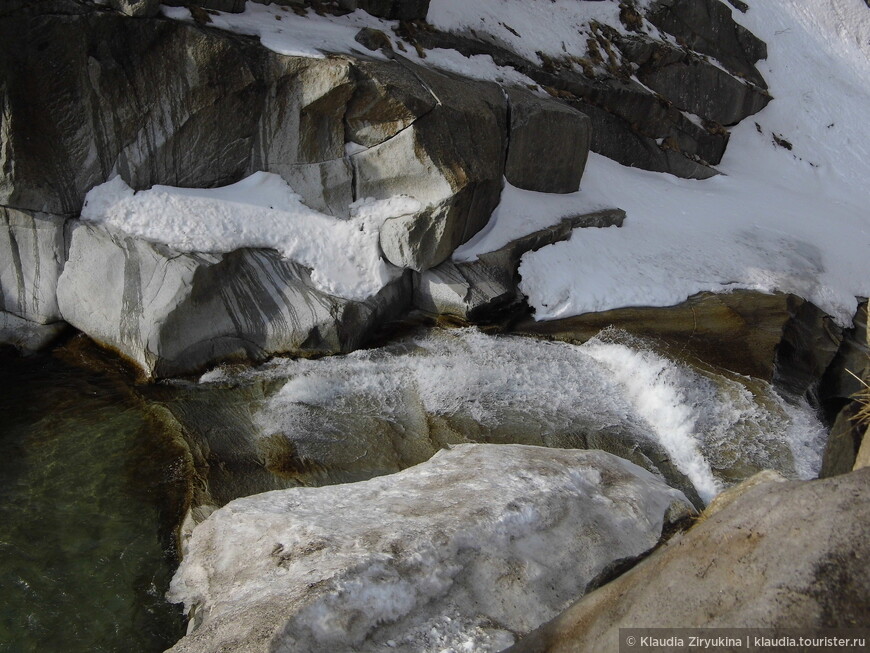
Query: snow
point(463, 552)
point(520, 212)
point(259, 211)
point(776, 220)
point(555, 28)
point(371, 407)
point(314, 36)
point(284, 32)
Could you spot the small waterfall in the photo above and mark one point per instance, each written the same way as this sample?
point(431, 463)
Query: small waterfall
point(380, 410)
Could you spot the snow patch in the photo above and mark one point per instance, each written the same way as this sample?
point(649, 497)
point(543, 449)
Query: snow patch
point(259, 211)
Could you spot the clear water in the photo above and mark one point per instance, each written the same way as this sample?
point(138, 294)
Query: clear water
point(89, 489)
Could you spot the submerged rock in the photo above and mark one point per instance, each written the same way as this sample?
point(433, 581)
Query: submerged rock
point(474, 547)
point(789, 555)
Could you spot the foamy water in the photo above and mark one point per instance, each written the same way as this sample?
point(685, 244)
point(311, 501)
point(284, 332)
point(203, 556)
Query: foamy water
point(402, 402)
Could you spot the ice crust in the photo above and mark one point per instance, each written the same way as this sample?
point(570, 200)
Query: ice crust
point(464, 552)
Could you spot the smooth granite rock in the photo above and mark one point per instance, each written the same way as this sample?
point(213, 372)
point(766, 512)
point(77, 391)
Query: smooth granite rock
point(790, 555)
point(32, 255)
point(451, 159)
point(174, 313)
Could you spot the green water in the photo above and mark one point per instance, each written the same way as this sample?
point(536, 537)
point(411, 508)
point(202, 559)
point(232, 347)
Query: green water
point(89, 488)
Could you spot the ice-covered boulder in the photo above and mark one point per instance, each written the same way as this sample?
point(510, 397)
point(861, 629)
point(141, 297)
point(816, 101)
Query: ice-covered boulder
point(470, 549)
point(781, 555)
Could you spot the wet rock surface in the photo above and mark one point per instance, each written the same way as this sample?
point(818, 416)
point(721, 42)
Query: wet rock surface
point(776, 337)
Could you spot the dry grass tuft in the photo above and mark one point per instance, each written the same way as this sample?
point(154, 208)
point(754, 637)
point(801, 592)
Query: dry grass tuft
point(863, 398)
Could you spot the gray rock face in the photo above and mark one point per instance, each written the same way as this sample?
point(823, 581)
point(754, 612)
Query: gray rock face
point(707, 27)
point(631, 124)
point(114, 100)
point(175, 313)
point(232, 109)
point(451, 159)
point(32, 255)
point(480, 289)
point(692, 83)
point(494, 537)
point(548, 145)
point(789, 555)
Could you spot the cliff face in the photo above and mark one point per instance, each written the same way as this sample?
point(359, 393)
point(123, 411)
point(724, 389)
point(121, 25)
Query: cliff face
point(89, 93)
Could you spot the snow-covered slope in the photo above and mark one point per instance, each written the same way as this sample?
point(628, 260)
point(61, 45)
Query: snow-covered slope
point(794, 220)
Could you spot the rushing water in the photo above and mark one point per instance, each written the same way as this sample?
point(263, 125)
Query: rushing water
point(376, 411)
point(89, 488)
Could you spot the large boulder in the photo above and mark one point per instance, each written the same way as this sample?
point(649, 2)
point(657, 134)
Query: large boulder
point(782, 555)
point(548, 144)
point(474, 547)
point(174, 313)
point(451, 159)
